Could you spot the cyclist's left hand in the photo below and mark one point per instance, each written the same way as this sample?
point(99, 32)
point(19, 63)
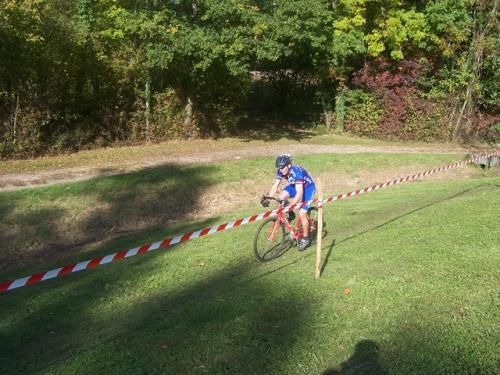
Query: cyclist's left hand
point(264, 202)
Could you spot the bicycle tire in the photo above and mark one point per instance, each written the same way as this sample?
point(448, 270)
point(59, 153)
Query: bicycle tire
point(264, 248)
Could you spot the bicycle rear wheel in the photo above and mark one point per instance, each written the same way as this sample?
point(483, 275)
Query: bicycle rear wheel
point(269, 240)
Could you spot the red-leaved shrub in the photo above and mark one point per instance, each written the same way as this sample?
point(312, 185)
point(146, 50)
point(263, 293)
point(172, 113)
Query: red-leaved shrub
point(405, 114)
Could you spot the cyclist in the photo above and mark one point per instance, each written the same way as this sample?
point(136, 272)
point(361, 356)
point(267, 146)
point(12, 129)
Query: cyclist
point(300, 188)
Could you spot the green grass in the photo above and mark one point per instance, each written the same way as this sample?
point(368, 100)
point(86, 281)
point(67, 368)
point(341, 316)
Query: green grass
point(153, 180)
point(44, 222)
point(133, 154)
point(126, 155)
point(420, 261)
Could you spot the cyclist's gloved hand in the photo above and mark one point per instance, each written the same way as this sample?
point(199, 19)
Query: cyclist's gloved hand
point(264, 202)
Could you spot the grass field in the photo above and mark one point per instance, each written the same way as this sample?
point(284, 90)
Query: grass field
point(131, 154)
point(125, 155)
point(409, 286)
point(39, 225)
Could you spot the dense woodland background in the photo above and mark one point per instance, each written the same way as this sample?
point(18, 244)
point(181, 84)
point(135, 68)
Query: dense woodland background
point(78, 74)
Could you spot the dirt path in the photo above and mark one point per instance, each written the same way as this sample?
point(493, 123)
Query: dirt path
point(14, 181)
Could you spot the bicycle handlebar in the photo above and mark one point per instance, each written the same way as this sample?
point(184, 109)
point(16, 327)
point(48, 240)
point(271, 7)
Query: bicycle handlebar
point(280, 201)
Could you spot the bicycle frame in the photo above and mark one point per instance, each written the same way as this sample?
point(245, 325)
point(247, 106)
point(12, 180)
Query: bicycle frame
point(277, 234)
point(294, 233)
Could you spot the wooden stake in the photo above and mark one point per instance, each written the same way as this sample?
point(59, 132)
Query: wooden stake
point(319, 229)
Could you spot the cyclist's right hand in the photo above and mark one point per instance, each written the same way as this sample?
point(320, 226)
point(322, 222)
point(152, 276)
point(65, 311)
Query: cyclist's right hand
point(264, 202)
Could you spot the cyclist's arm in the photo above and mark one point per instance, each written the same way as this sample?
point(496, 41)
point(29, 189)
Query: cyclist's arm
point(299, 188)
point(274, 188)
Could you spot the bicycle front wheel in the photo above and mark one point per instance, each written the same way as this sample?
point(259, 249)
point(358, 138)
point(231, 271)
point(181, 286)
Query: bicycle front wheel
point(269, 240)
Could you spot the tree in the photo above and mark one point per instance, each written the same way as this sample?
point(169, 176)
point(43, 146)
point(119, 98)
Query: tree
point(48, 79)
point(485, 31)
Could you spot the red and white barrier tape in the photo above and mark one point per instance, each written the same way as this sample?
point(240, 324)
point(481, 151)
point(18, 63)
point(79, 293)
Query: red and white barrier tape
point(407, 178)
point(87, 264)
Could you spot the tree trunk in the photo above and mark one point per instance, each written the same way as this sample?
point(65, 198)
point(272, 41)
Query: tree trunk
point(188, 119)
point(458, 130)
point(147, 95)
point(327, 113)
point(16, 112)
point(194, 8)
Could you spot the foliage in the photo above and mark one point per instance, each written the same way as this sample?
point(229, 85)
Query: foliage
point(425, 120)
point(469, 73)
point(405, 112)
point(487, 127)
point(52, 80)
point(450, 25)
point(392, 84)
point(84, 73)
point(364, 113)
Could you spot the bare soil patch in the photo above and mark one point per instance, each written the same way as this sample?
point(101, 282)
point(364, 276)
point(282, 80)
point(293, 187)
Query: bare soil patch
point(14, 181)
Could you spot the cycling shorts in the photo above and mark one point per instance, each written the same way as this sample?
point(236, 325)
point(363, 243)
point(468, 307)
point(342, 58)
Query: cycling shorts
point(308, 195)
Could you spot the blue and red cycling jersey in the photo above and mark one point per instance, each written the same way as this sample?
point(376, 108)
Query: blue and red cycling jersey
point(296, 175)
point(299, 176)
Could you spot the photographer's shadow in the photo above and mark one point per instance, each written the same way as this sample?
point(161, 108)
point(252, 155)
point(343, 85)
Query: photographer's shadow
point(364, 361)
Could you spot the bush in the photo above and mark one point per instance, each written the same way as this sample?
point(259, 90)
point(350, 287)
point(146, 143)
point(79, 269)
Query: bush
point(363, 113)
point(487, 127)
point(394, 106)
point(27, 139)
point(167, 117)
point(425, 120)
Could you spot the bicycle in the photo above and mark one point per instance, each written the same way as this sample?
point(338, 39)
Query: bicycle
point(276, 234)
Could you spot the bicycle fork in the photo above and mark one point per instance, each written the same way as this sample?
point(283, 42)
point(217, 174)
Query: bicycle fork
point(273, 233)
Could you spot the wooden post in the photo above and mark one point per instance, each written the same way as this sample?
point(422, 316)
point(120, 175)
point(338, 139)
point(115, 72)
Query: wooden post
point(319, 229)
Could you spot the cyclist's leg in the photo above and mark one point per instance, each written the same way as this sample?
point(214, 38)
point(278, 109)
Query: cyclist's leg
point(288, 192)
point(309, 192)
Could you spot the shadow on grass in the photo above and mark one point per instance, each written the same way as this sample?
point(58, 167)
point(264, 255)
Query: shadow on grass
point(335, 242)
point(412, 349)
point(46, 230)
point(210, 324)
point(364, 361)
point(127, 321)
point(21, 233)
